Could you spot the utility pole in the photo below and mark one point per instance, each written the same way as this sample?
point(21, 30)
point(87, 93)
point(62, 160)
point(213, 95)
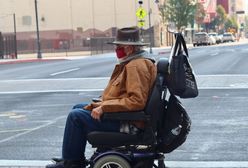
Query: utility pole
point(37, 31)
point(150, 30)
point(15, 42)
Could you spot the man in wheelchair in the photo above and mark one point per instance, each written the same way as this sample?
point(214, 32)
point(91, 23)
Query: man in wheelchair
point(118, 119)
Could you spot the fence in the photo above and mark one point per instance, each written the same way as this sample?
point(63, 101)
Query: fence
point(99, 45)
point(8, 46)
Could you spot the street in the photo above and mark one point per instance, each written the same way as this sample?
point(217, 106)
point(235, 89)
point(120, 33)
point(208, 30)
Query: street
point(36, 98)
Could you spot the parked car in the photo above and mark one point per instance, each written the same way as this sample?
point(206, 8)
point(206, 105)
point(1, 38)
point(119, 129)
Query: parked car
point(212, 40)
point(201, 38)
point(228, 37)
point(215, 36)
point(221, 37)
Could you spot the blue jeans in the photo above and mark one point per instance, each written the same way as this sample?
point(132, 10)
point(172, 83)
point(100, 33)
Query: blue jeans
point(78, 124)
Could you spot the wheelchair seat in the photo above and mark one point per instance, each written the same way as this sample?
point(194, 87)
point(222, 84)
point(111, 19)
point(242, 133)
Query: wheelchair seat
point(151, 115)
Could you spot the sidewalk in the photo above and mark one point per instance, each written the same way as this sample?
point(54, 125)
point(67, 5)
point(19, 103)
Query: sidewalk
point(24, 58)
point(70, 55)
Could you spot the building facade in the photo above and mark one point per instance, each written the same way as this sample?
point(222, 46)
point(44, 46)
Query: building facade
point(75, 21)
point(75, 14)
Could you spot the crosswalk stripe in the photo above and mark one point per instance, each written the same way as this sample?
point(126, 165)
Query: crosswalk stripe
point(170, 164)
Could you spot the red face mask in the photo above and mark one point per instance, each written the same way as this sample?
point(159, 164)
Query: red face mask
point(120, 52)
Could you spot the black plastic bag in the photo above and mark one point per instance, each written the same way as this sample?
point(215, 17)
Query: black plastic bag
point(181, 79)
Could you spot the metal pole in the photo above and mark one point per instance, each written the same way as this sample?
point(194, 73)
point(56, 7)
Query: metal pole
point(15, 42)
point(72, 31)
point(150, 30)
point(37, 31)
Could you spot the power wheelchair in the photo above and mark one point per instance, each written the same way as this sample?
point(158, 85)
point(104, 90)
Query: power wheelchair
point(141, 150)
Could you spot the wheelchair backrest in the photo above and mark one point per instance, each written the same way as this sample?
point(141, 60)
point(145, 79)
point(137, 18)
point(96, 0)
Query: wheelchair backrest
point(155, 105)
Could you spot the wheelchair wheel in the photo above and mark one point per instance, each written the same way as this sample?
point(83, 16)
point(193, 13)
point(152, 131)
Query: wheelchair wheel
point(111, 161)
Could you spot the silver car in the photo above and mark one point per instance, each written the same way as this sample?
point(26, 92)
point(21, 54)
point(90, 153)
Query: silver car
point(201, 38)
point(228, 37)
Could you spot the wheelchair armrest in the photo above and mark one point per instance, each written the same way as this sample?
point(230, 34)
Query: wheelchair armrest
point(96, 99)
point(126, 116)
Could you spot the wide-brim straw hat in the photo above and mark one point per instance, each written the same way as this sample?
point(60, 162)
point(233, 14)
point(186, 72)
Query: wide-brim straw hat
point(128, 36)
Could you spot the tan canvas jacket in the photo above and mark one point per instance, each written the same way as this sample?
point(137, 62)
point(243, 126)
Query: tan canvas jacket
point(129, 86)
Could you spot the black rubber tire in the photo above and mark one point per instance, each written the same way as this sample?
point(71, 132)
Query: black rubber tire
point(111, 161)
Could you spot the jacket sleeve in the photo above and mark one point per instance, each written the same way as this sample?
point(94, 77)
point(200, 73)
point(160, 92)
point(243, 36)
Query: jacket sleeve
point(137, 86)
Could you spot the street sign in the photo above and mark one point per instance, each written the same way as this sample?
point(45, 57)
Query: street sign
point(141, 23)
point(240, 12)
point(141, 13)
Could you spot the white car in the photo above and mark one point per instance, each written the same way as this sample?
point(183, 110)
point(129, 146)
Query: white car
point(215, 36)
point(201, 38)
point(212, 40)
point(228, 37)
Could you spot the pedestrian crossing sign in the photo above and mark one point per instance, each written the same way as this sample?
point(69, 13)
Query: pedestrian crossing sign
point(141, 13)
point(141, 23)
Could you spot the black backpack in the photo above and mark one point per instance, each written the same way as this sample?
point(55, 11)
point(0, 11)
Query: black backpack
point(175, 126)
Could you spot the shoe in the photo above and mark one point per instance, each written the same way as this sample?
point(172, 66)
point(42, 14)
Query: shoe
point(57, 164)
point(60, 163)
point(74, 164)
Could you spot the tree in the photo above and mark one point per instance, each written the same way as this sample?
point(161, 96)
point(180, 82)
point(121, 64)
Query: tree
point(231, 23)
point(246, 24)
point(179, 12)
point(199, 14)
point(221, 17)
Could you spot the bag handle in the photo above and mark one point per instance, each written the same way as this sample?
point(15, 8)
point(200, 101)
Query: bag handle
point(183, 43)
point(180, 42)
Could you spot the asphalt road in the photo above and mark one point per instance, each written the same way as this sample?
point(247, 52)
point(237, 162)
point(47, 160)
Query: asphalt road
point(36, 97)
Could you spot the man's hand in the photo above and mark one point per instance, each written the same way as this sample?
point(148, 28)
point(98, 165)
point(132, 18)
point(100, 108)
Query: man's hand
point(97, 112)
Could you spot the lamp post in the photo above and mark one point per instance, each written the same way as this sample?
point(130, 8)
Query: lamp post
point(150, 31)
point(15, 42)
point(39, 56)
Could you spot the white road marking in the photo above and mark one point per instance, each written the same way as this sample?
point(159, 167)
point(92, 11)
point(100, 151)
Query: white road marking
point(214, 54)
point(31, 130)
point(17, 130)
point(205, 82)
point(52, 91)
point(66, 71)
point(170, 164)
point(207, 164)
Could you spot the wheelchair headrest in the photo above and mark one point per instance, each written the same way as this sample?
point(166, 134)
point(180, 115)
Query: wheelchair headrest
point(163, 65)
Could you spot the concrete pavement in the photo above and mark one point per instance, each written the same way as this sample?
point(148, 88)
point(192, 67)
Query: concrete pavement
point(193, 164)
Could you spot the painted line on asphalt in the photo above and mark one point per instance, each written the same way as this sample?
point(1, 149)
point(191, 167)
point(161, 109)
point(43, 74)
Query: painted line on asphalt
point(56, 79)
point(100, 90)
point(52, 91)
point(214, 54)
point(207, 164)
point(24, 163)
point(63, 72)
point(171, 164)
point(31, 130)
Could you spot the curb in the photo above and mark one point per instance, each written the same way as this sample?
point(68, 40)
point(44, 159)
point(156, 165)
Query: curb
point(15, 61)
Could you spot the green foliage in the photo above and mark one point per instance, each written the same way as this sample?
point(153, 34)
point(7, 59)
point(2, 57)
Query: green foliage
point(231, 23)
point(180, 12)
point(246, 23)
point(199, 14)
point(221, 15)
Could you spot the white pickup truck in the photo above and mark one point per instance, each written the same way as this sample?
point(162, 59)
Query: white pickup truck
point(201, 38)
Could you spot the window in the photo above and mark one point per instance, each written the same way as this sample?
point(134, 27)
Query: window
point(26, 20)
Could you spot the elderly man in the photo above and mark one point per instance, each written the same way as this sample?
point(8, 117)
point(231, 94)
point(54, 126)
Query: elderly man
point(127, 90)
